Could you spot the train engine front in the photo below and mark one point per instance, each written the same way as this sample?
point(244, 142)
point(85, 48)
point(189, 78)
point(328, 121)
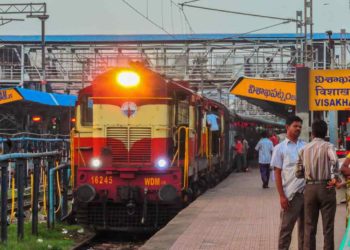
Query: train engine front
point(123, 150)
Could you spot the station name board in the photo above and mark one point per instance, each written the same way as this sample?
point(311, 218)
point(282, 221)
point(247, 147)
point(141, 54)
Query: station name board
point(9, 95)
point(329, 89)
point(268, 90)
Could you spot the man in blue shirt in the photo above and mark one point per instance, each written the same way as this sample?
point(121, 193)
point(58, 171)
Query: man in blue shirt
point(212, 120)
point(264, 147)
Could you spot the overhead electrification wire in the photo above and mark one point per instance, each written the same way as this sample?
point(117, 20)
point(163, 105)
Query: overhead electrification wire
point(188, 22)
point(161, 6)
point(171, 16)
point(185, 16)
point(237, 12)
point(148, 19)
point(256, 30)
point(147, 8)
point(241, 36)
point(190, 1)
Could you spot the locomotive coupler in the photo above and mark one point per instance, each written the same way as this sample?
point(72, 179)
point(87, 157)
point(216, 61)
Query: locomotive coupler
point(144, 211)
point(104, 207)
point(131, 207)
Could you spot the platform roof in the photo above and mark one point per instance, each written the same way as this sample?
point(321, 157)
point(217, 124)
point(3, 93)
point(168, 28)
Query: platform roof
point(38, 97)
point(162, 38)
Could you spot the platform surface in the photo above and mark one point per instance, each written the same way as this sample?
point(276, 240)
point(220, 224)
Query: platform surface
point(236, 214)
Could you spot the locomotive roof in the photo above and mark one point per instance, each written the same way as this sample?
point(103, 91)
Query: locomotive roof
point(100, 87)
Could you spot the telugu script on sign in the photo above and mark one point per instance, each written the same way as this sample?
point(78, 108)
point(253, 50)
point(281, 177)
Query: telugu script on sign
point(329, 90)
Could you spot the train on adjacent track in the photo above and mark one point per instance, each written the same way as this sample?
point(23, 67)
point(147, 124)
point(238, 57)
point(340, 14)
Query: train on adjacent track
point(143, 148)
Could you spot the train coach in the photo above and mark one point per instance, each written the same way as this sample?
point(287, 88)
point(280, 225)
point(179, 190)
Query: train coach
point(143, 148)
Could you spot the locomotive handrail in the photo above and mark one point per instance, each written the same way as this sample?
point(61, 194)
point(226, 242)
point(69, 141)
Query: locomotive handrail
point(210, 152)
point(175, 156)
point(186, 159)
point(80, 155)
point(72, 155)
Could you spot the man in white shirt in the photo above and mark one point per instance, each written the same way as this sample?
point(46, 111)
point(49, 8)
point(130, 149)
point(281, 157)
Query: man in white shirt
point(290, 188)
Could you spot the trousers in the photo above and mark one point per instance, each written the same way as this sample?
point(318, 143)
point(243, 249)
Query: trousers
point(319, 198)
point(289, 217)
point(265, 173)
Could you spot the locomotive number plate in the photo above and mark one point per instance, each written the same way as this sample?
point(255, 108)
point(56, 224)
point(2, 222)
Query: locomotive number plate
point(154, 181)
point(101, 180)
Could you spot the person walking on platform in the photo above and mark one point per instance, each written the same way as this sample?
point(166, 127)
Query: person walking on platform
point(318, 165)
point(274, 139)
point(245, 153)
point(264, 147)
point(290, 189)
point(212, 120)
point(238, 148)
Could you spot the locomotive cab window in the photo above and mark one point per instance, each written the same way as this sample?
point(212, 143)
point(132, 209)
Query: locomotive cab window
point(86, 110)
point(182, 112)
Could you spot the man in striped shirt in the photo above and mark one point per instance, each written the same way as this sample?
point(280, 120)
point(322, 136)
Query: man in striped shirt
point(318, 162)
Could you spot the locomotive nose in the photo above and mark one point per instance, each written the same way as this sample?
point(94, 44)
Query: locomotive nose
point(86, 193)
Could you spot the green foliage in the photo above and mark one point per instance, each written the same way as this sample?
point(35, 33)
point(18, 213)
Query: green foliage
point(53, 239)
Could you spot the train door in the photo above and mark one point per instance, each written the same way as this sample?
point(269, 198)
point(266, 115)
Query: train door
point(198, 127)
point(182, 113)
point(84, 143)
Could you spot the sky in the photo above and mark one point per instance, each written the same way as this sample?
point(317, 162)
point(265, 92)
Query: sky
point(116, 17)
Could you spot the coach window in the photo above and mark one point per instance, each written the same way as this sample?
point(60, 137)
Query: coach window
point(86, 110)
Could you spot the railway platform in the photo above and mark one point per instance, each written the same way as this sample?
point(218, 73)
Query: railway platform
point(236, 214)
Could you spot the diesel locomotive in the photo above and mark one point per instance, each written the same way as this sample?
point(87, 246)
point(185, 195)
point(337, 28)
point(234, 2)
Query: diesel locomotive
point(142, 148)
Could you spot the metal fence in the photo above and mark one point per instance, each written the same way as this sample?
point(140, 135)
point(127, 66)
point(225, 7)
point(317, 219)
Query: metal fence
point(29, 164)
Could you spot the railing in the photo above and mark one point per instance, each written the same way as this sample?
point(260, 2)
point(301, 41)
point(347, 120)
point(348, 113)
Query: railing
point(22, 160)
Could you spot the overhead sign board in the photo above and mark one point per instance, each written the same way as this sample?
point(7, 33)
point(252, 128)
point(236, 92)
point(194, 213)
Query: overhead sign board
point(9, 95)
point(329, 89)
point(267, 90)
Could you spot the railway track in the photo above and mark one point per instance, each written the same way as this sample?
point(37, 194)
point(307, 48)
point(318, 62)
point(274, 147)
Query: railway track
point(112, 241)
point(27, 202)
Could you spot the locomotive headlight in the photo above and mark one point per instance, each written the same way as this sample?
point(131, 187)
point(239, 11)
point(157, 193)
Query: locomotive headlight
point(128, 79)
point(96, 163)
point(162, 163)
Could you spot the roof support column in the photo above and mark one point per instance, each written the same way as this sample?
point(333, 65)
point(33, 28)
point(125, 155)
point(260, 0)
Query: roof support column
point(22, 66)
